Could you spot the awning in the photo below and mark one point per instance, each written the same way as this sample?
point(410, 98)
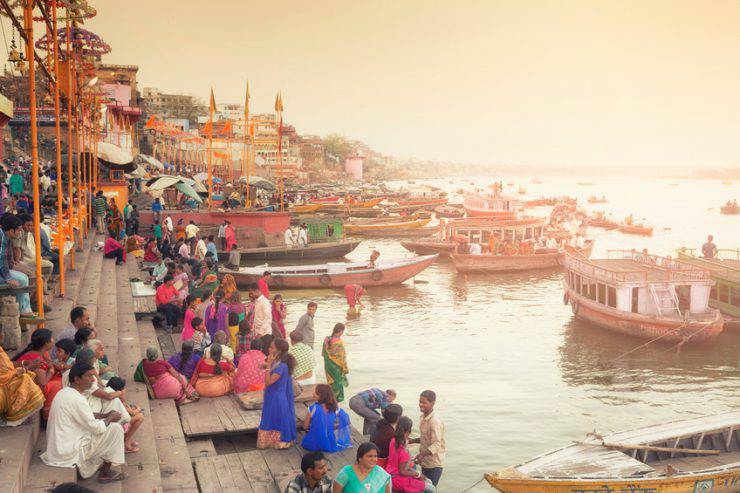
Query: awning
point(114, 154)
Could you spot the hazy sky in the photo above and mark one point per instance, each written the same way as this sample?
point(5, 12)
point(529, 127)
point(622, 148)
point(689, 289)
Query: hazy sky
point(585, 82)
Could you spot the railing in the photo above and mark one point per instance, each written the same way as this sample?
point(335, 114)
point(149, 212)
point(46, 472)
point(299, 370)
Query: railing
point(722, 253)
point(668, 270)
point(674, 269)
point(589, 269)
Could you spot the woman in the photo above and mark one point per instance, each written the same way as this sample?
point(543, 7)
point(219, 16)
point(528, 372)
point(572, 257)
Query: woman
point(104, 371)
point(186, 360)
point(277, 426)
point(81, 337)
point(233, 331)
point(227, 288)
point(335, 362)
point(165, 248)
point(115, 220)
point(217, 318)
point(328, 425)
point(150, 252)
point(187, 324)
point(354, 293)
point(405, 478)
point(230, 236)
point(279, 312)
point(180, 231)
point(38, 350)
point(20, 397)
point(213, 377)
point(234, 302)
point(243, 339)
point(365, 476)
point(166, 382)
point(250, 373)
point(181, 281)
point(208, 281)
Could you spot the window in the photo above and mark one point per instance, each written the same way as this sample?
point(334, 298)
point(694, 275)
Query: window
point(713, 292)
point(611, 296)
point(635, 299)
point(601, 293)
point(724, 293)
point(735, 295)
point(579, 289)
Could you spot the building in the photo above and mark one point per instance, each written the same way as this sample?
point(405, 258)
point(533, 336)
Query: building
point(119, 81)
point(353, 167)
point(177, 106)
point(122, 112)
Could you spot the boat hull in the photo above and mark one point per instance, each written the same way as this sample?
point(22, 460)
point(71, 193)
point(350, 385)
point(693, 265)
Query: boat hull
point(719, 482)
point(329, 250)
point(644, 326)
point(429, 247)
point(358, 229)
point(366, 277)
point(635, 230)
point(475, 212)
point(422, 203)
point(730, 210)
point(512, 263)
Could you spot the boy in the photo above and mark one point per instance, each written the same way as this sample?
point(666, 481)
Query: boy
point(432, 441)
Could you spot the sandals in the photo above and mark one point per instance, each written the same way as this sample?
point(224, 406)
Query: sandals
point(119, 476)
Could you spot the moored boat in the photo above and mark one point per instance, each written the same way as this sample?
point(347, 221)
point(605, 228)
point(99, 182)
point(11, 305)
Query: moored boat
point(304, 209)
point(730, 208)
point(724, 270)
point(690, 456)
point(423, 202)
point(491, 205)
point(325, 250)
point(643, 295)
point(358, 229)
point(595, 200)
point(636, 229)
point(334, 275)
point(603, 223)
point(449, 211)
point(543, 258)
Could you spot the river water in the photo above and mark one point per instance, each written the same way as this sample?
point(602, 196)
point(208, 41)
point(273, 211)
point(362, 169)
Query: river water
point(515, 374)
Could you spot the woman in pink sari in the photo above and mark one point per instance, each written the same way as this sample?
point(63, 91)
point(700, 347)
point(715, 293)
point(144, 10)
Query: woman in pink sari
point(166, 382)
point(279, 311)
point(187, 325)
point(250, 374)
point(230, 236)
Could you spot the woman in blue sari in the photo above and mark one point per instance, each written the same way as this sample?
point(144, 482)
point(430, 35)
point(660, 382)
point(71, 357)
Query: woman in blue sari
point(277, 426)
point(328, 425)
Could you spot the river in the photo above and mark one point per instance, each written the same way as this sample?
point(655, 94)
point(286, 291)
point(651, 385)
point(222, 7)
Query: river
point(515, 374)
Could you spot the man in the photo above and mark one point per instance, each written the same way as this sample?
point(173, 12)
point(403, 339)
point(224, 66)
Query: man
point(303, 236)
point(46, 249)
point(432, 441)
point(191, 234)
point(160, 270)
point(314, 478)
point(211, 247)
point(305, 325)
point(165, 300)
point(167, 228)
point(222, 235)
point(79, 318)
point(157, 209)
point(476, 249)
point(184, 250)
point(45, 182)
point(262, 283)
point(75, 436)
point(127, 215)
point(385, 429)
point(100, 206)
point(262, 324)
point(709, 249)
point(11, 227)
point(201, 249)
point(289, 238)
point(305, 362)
point(28, 250)
point(366, 404)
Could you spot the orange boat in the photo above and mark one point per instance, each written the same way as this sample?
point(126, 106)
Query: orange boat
point(636, 229)
point(424, 202)
point(545, 258)
point(302, 209)
point(643, 295)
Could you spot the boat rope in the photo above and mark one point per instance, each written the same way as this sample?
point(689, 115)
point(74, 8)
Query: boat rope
point(686, 338)
point(667, 333)
point(473, 486)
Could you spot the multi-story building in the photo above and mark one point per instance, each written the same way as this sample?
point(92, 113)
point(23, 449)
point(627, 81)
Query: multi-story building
point(178, 106)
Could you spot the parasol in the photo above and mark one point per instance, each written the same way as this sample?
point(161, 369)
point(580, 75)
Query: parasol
point(188, 191)
point(152, 160)
point(203, 177)
point(114, 154)
point(258, 182)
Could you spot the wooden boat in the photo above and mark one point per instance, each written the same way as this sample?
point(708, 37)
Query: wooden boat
point(327, 250)
point(401, 233)
point(430, 246)
point(603, 223)
point(358, 229)
point(730, 209)
point(326, 200)
point(304, 209)
point(636, 229)
point(491, 205)
point(334, 275)
point(698, 455)
point(381, 220)
point(596, 200)
point(449, 211)
point(643, 295)
point(725, 272)
point(585, 183)
point(423, 202)
point(541, 259)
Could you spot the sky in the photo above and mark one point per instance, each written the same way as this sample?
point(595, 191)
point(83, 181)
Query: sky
point(502, 82)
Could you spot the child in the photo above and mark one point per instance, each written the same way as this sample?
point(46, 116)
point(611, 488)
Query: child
point(243, 339)
point(432, 441)
point(117, 385)
point(201, 338)
point(158, 233)
point(233, 330)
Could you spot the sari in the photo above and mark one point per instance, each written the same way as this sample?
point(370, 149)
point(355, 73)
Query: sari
point(278, 315)
point(278, 425)
point(51, 388)
point(164, 384)
point(186, 369)
point(335, 365)
point(209, 281)
point(179, 232)
point(250, 375)
point(329, 431)
point(150, 255)
point(20, 397)
point(230, 237)
point(374, 482)
point(187, 325)
point(228, 286)
point(115, 221)
point(214, 386)
point(217, 318)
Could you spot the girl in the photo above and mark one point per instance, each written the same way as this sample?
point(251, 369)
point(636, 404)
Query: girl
point(279, 312)
point(328, 425)
point(404, 477)
point(187, 325)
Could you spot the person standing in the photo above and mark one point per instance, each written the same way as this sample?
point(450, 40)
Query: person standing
point(127, 216)
point(303, 236)
point(157, 209)
point(100, 207)
point(313, 478)
point(262, 324)
point(191, 235)
point(335, 361)
point(222, 235)
point(15, 182)
point(262, 283)
point(211, 247)
point(167, 228)
point(289, 238)
point(305, 325)
point(201, 249)
point(432, 440)
point(367, 403)
point(77, 437)
point(278, 423)
point(709, 249)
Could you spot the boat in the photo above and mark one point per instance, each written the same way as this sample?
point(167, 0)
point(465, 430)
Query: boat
point(326, 200)
point(543, 258)
point(724, 270)
point(304, 209)
point(585, 183)
point(356, 221)
point(600, 222)
point(449, 211)
point(636, 229)
point(476, 230)
point(358, 229)
point(522, 190)
point(325, 250)
point(643, 295)
point(491, 205)
point(697, 455)
point(730, 208)
point(423, 202)
point(595, 200)
point(334, 274)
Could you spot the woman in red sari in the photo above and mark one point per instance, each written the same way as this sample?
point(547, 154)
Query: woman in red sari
point(279, 312)
point(213, 377)
point(38, 351)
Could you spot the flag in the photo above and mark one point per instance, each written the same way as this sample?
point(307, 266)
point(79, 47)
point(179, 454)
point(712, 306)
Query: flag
point(279, 102)
point(213, 104)
point(150, 121)
point(246, 102)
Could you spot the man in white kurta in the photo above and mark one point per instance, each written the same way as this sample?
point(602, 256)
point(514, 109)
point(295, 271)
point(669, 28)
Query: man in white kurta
point(262, 324)
point(77, 437)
